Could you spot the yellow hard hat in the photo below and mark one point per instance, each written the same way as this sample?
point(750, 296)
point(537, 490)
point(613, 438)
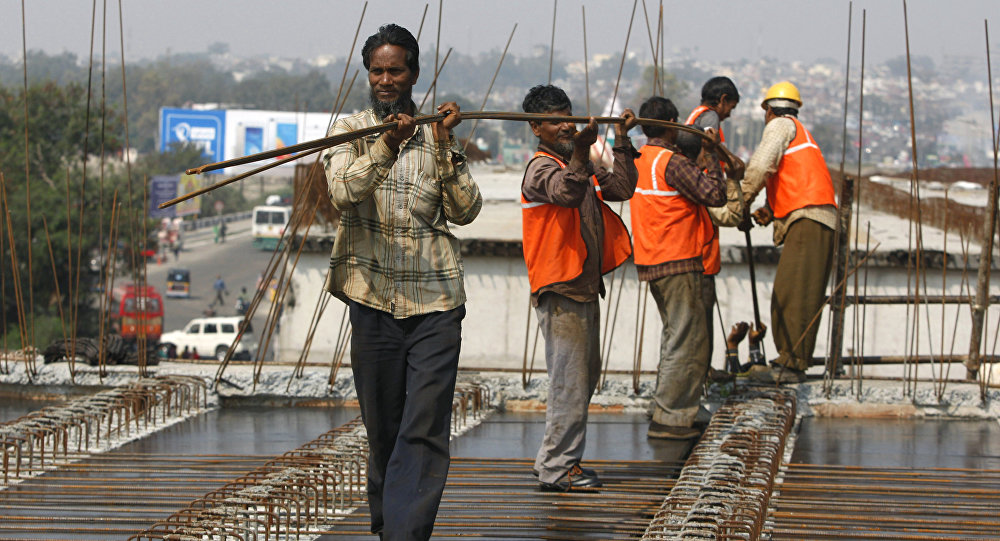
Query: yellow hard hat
point(782, 91)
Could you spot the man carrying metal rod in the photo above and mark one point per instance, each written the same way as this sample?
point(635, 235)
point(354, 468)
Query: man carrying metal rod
point(398, 267)
point(719, 97)
point(672, 228)
point(571, 238)
point(802, 205)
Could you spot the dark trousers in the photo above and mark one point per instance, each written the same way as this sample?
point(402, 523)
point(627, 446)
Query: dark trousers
point(404, 374)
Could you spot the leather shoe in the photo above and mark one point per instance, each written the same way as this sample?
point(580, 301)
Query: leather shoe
point(586, 471)
point(667, 432)
point(575, 479)
point(720, 376)
point(778, 374)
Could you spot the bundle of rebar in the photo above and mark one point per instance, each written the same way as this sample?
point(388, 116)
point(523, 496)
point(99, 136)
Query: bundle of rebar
point(42, 440)
point(300, 492)
point(724, 488)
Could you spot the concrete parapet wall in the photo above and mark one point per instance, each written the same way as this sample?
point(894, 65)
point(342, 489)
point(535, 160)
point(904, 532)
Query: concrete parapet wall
point(497, 312)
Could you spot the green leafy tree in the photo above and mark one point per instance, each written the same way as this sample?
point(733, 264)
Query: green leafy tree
point(666, 85)
point(57, 129)
point(278, 90)
point(57, 145)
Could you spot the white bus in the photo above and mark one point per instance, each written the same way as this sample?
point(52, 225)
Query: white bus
point(268, 224)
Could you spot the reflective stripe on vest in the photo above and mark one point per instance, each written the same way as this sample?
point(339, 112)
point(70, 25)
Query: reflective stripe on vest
point(666, 226)
point(802, 179)
point(554, 250)
point(698, 111)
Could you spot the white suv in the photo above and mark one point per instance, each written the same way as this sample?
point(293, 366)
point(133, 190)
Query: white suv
point(211, 336)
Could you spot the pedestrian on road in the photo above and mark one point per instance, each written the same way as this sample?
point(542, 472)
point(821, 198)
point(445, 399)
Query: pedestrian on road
point(242, 302)
point(220, 291)
point(222, 232)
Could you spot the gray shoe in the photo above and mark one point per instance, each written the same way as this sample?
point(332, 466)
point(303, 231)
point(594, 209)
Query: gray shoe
point(778, 374)
point(667, 432)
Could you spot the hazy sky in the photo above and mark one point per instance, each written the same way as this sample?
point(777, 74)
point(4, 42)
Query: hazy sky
point(714, 30)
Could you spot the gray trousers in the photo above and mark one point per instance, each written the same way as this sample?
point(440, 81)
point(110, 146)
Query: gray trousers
point(573, 361)
point(685, 346)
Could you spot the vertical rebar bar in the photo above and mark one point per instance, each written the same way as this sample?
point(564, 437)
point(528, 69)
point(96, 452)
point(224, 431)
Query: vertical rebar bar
point(986, 254)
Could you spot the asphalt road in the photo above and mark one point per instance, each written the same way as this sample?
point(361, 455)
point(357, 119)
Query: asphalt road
point(235, 260)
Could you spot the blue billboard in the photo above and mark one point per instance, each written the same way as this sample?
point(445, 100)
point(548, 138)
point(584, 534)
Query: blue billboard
point(207, 129)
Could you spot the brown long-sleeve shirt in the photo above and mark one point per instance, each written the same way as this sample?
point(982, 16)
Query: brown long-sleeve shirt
point(545, 181)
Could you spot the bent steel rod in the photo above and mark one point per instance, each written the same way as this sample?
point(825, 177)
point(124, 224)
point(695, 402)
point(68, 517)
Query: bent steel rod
point(340, 138)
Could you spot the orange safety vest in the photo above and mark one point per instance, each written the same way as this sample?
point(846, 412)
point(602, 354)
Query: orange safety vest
point(711, 258)
point(802, 179)
point(666, 225)
point(554, 250)
point(697, 113)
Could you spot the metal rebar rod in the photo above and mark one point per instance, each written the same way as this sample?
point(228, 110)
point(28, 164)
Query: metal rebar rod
point(552, 40)
point(434, 81)
point(903, 299)
point(841, 242)
point(986, 254)
point(489, 89)
point(27, 188)
point(330, 141)
point(586, 61)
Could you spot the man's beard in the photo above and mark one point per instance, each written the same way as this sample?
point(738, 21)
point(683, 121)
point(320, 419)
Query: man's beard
point(564, 149)
point(385, 108)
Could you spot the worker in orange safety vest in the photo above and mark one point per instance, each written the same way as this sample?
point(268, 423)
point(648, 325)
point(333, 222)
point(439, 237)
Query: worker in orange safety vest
point(672, 229)
point(571, 237)
point(719, 97)
point(802, 206)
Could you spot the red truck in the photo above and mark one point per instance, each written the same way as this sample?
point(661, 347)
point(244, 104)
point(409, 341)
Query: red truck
point(139, 313)
point(136, 314)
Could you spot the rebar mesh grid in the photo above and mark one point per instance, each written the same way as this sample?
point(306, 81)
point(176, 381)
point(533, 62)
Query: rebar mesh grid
point(818, 501)
point(301, 492)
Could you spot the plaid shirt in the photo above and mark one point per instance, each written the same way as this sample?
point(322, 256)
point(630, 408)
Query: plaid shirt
point(393, 251)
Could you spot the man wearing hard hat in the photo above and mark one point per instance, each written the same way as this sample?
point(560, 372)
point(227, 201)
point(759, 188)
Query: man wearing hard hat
point(802, 206)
